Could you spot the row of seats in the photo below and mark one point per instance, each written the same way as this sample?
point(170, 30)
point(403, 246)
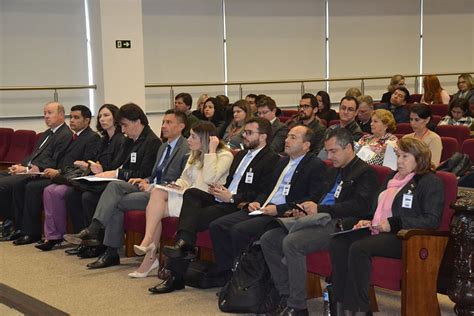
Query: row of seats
point(415, 274)
point(15, 145)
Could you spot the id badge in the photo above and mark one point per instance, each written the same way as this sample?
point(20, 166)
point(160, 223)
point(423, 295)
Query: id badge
point(338, 190)
point(286, 189)
point(249, 177)
point(407, 200)
point(133, 157)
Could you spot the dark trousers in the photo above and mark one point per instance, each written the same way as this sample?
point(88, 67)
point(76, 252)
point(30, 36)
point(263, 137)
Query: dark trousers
point(231, 234)
point(198, 211)
point(351, 256)
point(27, 198)
point(7, 182)
point(81, 207)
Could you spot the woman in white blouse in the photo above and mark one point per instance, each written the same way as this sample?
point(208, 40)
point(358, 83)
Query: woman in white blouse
point(208, 164)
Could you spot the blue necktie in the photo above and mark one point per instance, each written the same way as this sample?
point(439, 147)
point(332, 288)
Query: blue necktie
point(239, 173)
point(159, 169)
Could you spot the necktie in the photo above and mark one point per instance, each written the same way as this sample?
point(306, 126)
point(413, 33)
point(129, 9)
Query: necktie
point(277, 185)
point(74, 136)
point(48, 134)
point(240, 172)
point(159, 169)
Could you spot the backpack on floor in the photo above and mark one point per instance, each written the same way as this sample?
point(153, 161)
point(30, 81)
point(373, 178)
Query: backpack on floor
point(251, 288)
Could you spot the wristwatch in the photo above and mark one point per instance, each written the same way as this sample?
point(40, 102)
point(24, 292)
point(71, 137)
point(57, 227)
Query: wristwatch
point(231, 200)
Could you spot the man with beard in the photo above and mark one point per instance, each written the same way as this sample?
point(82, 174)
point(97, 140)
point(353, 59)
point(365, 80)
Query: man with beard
point(250, 173)
point(307, 109)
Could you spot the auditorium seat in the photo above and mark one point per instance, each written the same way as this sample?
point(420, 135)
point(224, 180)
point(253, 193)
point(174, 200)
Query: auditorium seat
point(324, 122)
point(6, 135)
point(468, 148)
point(404, 128)
point(460, 133)
point(436, 119)
point(21, 146)
point(439, 109)
point(415, 98)
point(333, 122)
point(288, 113)
point(450, 147)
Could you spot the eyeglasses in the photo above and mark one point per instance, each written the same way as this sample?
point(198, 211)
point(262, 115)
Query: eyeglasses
point(346, 109)
point(249, 132)
point(304, 107)
point(460, 82)
point(261, 113)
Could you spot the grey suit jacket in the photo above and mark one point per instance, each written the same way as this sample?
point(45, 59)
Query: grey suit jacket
point(279, 133)
point(176, 162)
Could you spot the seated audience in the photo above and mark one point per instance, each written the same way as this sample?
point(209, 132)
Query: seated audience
point(307, 110)
point(466, 89)
point(249, 174)
point(324, 107)
point(398, 207)
point(207, 166)
point(266, 108)
point(47, 152)
point(371, 148)
point(183, 103)
point(233, 133)
point(420, 117)
point(433, 92)
point(55, 213)
point(396, 82)
point(353, 92)
point(347, 190)
point(214, 113)
point(366, 108)
point(135, 160)
point(200, 106)
point(28, 196)
point(459, 114)
point(397, 103)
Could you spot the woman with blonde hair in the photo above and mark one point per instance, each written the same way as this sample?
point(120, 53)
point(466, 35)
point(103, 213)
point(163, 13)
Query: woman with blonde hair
point(233, 133)
point(433, 92)
point(396, 82)
point(207, 165)
point(371, 148)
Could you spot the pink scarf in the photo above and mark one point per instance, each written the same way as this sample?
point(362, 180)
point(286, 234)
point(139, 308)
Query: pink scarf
point(384, 207)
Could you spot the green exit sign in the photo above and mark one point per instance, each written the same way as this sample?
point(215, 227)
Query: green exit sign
point(123, 44)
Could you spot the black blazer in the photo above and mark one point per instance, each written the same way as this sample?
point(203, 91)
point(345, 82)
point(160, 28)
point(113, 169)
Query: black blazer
point(279, 133)
point(83, 148)
point(262, 167)
point(306, 183)
point(145, 148)
point(49, 155)
point(359, 187)
point(109, 149)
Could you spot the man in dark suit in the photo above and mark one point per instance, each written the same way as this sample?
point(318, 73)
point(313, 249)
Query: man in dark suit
point(46, 154)
point(249, 174)
point(398, 100)
point(119, 197)
point(349, 189)
point(28, 197)
point(266, 108)
point(183, 103)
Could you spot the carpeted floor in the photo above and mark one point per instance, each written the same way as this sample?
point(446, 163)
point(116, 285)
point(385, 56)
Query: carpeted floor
point(66, 284)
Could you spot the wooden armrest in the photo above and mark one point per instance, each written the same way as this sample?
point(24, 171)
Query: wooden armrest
point(408, 233)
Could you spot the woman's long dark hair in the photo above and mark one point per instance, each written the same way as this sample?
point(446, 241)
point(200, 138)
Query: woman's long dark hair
point(114, 110)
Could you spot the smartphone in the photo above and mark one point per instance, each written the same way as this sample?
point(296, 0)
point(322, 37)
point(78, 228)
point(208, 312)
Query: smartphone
point(297, 207)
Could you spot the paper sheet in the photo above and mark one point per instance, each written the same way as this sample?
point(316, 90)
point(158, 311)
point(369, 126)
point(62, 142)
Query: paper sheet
point(256, 212)
point(96, 179)
point(390, 158)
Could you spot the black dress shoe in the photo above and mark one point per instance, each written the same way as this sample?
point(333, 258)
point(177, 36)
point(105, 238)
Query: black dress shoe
point(74, 251)
point(84, 237)
point(14, 235)
point(290, 311)
point(180, 249)
point(168, 286)
point(91, 252)
point(48, 245)
point(26, 239)
point(104, 261)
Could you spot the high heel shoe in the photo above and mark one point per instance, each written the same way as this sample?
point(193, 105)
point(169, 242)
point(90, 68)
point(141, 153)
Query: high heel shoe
point(138, 275)
point(142, 250)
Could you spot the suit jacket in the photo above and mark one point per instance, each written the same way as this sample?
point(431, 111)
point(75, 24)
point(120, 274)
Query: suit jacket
point(359, 187)
point(176, 162)
point(306, 182)
point(262, 167)
point(279, 133)
point(427, 205)
point(400, 113)
point(49, 154)
point(83, 148)
point(144, 149)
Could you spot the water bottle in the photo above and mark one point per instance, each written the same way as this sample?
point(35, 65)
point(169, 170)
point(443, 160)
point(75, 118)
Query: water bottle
point(326, 309)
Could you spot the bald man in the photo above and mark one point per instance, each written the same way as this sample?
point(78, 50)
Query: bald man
point(46, 154)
